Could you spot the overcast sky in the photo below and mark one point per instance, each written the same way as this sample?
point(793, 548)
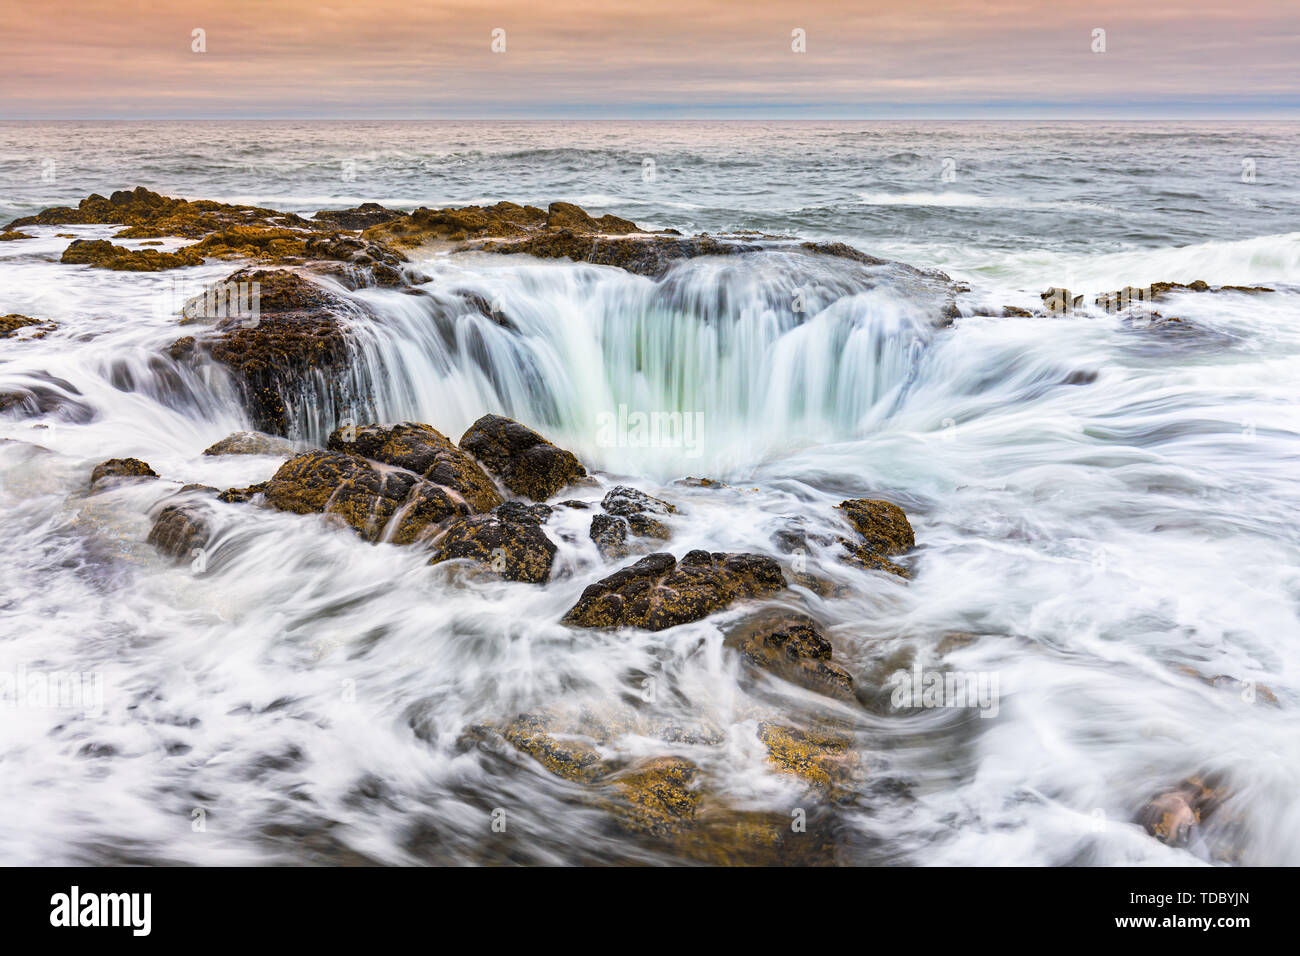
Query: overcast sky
point(658, 58)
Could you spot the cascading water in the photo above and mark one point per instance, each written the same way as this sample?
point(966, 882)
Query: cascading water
point(1103, 511)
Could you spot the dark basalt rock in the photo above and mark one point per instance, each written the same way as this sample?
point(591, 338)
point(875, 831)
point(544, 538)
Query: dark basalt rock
point(295, 339)
point(525, 462)
point(359, 217)
point(636, 510)
point(610, 534)
point(658, 592)
point(180, 529)
point(120, 468)
point(251, 443)
point(426, 452)
point(513, 546)
point(791, 646)
point(388, 504)
point(518, 511)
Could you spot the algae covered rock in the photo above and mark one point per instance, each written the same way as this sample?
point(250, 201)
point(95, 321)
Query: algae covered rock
point(885, 532)
point(792, 646)
point(120, 469)
point(294, 338)
point(505, 541)
point(526, 463)
point(427, 452)
point(10, 324)
point(363, 497)
point(103, 254)
point(658, 592)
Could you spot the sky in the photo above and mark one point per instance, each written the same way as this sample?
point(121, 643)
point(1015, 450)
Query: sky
point(117, 59)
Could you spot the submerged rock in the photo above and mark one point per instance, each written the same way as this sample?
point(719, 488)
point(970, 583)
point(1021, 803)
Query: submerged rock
point(425, 451)
point(525, 462)
point(657, 592)
point(251, 443)
point(506, 541)
point(120, 469)
point(180, 529)
point(791, 646)
point(1174, 816)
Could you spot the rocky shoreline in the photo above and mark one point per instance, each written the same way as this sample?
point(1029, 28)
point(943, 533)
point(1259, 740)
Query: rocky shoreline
point(484, 503)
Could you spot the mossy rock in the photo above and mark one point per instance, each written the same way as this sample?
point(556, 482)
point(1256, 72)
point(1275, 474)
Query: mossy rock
point(657, 592)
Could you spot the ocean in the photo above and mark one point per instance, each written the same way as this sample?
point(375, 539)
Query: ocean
point(1103, 501)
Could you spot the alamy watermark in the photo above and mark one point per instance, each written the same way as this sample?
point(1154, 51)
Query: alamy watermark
point(55, 690)
point(924, 689)
point(633, 428)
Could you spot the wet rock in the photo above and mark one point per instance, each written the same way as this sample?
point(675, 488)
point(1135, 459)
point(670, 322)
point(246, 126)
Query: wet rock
point(11, 235)
point(391, 504)
point(639, 511)
point(646, 255)
point(626, 501)
point(884, 526)
point(50, 395)
point(656, 797)
point(1174, 816)
point(182, 349)
point(427, 452)
point(148, 215)
point(515, 547)
point(10, 324)
point(525, 462)
point(885, 531)
point(791, 646)
point(251, 443)
point(295, 340)
point(658, 592)
point(518, 511)
point(180, 529)
point(610, 534)
point(120, 469)
point(841, 250)
point(503, 219)
point(239, 496)
point(358, 217)
point(823, 757)
point(102, 254)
